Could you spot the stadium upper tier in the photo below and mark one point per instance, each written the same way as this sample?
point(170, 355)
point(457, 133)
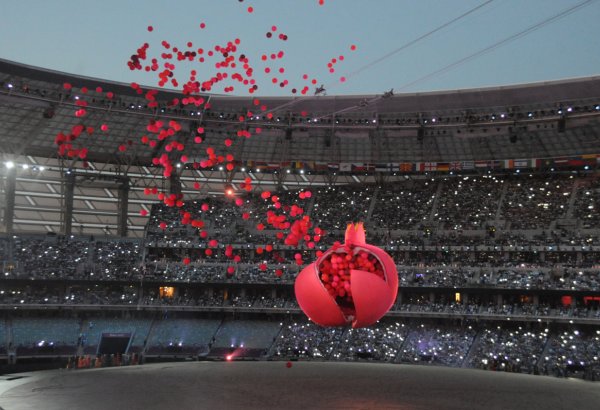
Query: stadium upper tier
point(542, 120)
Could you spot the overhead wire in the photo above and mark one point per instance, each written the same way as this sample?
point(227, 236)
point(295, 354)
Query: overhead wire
point(416, 40)
point(502, 42)
point(478, 53)
point(395, 51)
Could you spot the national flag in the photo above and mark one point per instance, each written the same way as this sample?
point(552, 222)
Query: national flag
point(443, 166)
point(456, 166)
point(430, 166)
point(358, 167)
point(468, 164)
point(345, 167)
point(576, 162)
point(406, 166)
point(581, 161)
point(521, 163)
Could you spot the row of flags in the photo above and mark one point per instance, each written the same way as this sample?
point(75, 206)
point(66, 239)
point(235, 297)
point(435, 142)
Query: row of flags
point(591, 160)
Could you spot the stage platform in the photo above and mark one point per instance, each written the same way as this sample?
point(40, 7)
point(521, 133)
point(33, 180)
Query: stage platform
point(306, 385)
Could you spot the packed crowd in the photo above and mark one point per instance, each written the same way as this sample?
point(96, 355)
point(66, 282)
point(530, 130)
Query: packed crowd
point(587, 203)
point(573, 352)
point(458, 237)
point(533, 203)
point(55, 257)
point(335, 206)
point(378, 343)
point(469, 202)
point(90, 295)
point(306, 340)
point(405, 205)
point(91, 260)
point(437, 345)
point(507, 348)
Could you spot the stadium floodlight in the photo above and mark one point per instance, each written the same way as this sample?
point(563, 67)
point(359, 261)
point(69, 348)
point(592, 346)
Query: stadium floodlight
point(9, 164)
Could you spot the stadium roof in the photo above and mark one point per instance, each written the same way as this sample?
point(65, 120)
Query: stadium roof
point(368, 128)
point(542, 120)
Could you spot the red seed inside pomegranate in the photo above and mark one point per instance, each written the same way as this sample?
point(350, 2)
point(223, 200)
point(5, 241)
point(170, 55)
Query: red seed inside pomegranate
point(335, 269)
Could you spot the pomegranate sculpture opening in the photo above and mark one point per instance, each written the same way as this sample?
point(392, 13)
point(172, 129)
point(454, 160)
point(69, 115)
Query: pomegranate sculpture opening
point(351, 283)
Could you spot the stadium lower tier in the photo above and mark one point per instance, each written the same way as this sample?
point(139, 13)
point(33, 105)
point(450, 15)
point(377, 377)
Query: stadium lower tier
point(97, 339)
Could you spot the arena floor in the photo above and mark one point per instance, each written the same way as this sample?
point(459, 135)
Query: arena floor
point(306, 385)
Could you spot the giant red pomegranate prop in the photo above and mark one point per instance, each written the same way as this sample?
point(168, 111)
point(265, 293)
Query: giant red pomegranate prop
point(352, 283)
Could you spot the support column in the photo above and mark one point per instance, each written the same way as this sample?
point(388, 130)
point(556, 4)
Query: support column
point(399, 299)
point(67, 208)
point(123, 207)
point(9, 200)
point(174, 184)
